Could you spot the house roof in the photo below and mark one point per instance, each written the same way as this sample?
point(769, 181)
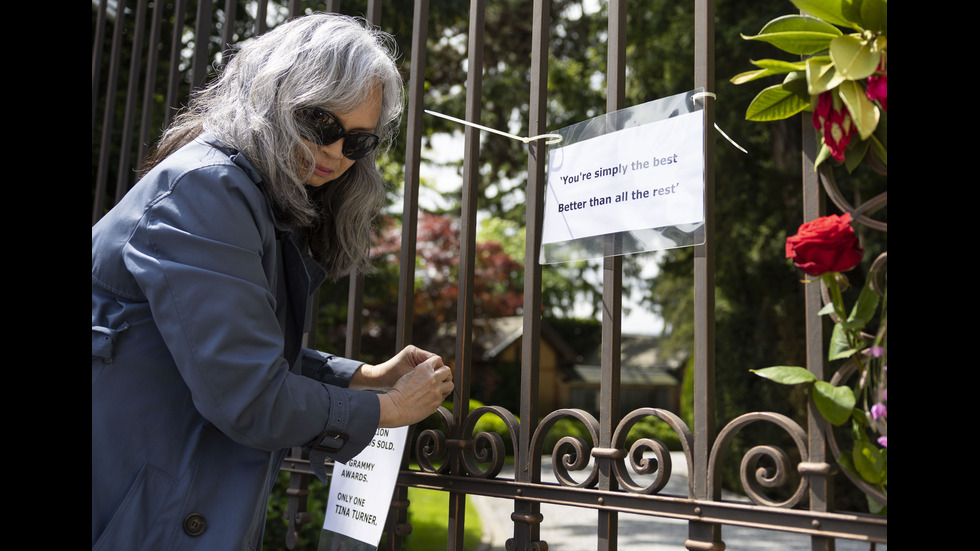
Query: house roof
point(638, 351)
point(493, 336)
point(628, 376)
point(641, 363)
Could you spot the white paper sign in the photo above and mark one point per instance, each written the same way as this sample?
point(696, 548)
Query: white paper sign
point(642, 177)
point(361, 489)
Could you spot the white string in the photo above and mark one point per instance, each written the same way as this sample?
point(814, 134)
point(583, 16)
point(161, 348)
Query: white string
point(556, 138)
point(712, 95)
point(552, 138)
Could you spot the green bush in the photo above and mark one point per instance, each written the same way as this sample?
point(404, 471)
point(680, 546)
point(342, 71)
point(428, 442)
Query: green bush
point(491, 423)
point(566, 426)
point(486, 423)
point(651, 427)
point(648, 427)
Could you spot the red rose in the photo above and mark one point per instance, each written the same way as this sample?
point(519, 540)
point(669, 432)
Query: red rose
point(827, 244)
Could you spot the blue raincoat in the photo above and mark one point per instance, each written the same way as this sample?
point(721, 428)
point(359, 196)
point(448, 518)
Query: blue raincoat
point(200, 382)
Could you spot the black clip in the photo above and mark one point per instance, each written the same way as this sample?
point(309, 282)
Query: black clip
point(330, 441)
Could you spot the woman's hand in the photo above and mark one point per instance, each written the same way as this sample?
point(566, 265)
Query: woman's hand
point(424, 383)
point(384, 375)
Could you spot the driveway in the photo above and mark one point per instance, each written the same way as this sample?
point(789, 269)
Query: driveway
point(574, 528)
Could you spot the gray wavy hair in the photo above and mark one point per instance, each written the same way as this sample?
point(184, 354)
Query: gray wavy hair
point(325, 60)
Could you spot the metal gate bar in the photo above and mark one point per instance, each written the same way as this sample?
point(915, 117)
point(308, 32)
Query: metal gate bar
point(703, 535)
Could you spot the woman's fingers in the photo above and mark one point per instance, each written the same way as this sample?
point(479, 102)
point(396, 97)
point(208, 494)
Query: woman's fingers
point(417, 394)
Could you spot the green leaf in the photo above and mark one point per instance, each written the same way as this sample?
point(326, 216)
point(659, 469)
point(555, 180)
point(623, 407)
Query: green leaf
point(879, 150)
point(839, 347)
point(864, 113)
point(834, 402)
point(856, 151)
point(831, 11)
point(749, 76)
point(768, 67)
point(875, 507)
point(786, 374)
point(863, 309)
point(881, 133)
point(822, 155)
point(797, 34)
point(869, 462)
point(776, 102)
point(854, 58)
point(827, 309)
point(821, 75)
point(778, 66)
point(874, 16)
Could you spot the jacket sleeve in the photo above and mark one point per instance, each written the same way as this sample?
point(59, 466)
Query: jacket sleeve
point(201, 256)
point(328, 368)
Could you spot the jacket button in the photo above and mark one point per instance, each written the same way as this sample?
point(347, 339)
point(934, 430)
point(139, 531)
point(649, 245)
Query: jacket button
point(195, 524)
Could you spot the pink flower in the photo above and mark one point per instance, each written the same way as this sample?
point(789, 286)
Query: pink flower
point(874, 351)
point(822, 112)
point(833, 120)
point(883, 441)
point(877, 89)
point(879, 411)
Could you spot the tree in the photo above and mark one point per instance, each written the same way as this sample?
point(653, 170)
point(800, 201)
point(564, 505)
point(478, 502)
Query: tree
point(497, 287)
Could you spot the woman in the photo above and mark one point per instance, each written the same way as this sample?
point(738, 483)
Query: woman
point(202, 279)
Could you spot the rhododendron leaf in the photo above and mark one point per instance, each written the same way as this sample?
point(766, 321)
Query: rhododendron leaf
point(778, 66)
point(822, 155)
point(821, 75)
point(768, 67)
point(863, 111)
point(831, 11)
point(856, 151)
point(879, 149)
point(749, 76)
point(776, 102)
point(786, 374)
point(854, 57)
point(874, 16)
point(834, 402)
point(840, 348)
point(797, 34)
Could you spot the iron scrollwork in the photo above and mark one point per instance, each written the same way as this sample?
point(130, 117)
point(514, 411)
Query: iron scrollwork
point(433, 446)
point(569, 453)
point(660, 466)
point(750, 470)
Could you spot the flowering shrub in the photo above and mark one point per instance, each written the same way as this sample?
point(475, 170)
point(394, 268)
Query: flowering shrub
point(825, 248)
point(842, 78)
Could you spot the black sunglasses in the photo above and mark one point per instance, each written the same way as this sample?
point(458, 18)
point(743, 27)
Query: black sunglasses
point(322, 128)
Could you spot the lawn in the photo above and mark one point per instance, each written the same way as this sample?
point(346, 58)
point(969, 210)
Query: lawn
point(428, 511)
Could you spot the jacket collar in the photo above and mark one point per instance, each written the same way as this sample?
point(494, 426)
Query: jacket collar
point(242, 162)
point(316, 273)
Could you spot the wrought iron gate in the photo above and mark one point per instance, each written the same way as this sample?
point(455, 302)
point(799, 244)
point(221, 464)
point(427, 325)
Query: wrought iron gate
point(455, 460)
